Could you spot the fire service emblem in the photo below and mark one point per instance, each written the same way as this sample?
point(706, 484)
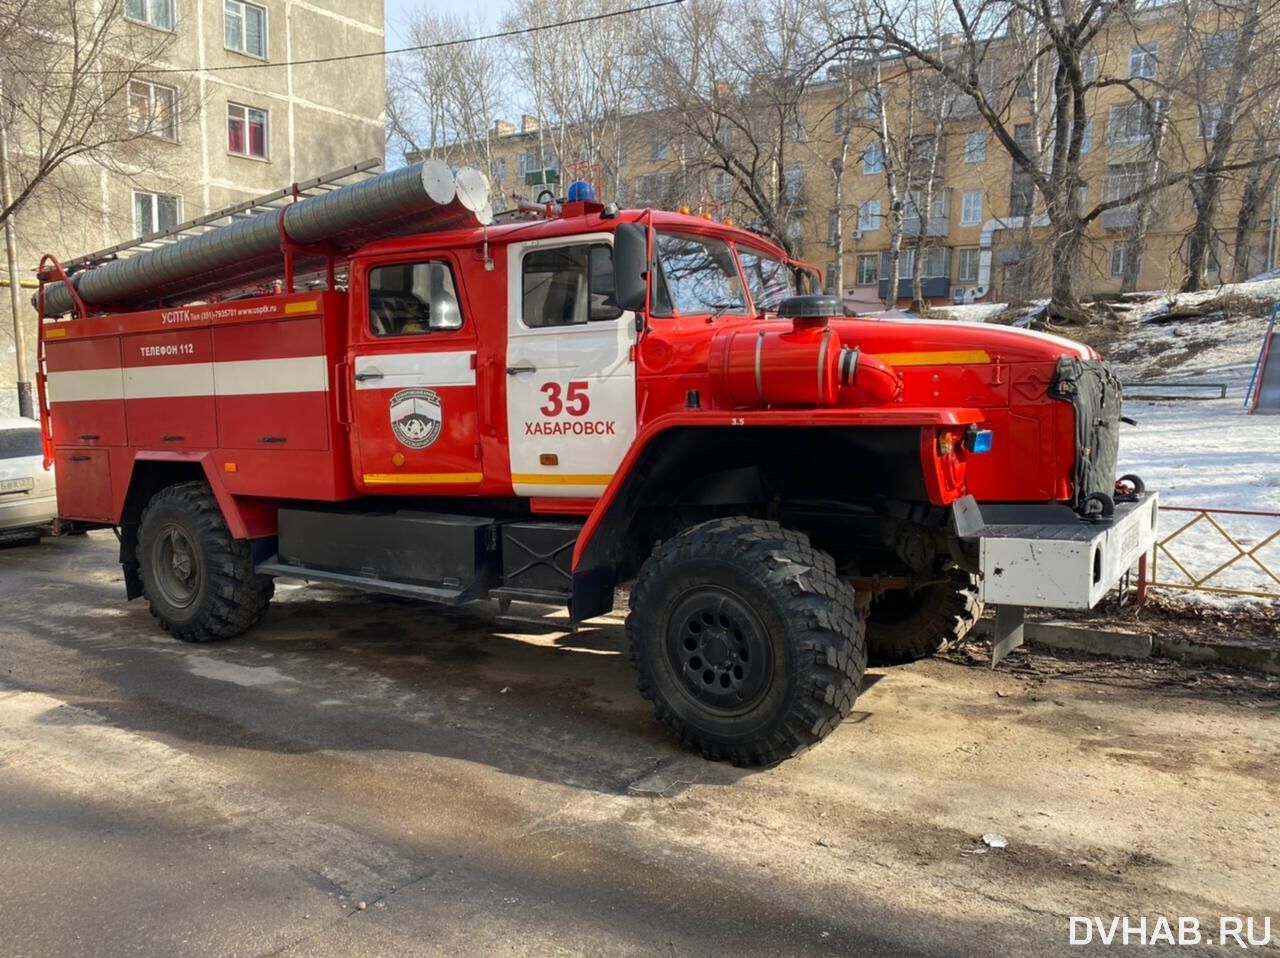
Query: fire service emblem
point(416, 417)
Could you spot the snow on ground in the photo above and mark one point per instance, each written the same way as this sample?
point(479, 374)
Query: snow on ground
point(1205, 453)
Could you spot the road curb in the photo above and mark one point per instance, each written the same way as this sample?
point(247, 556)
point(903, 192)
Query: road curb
point(1128, 644)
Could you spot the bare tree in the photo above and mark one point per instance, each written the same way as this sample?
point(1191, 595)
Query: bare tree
point(445, 101)
point(74, 97)
point(582, 84)
point(1241, 50)
point(728, 76)
point(1260, 185)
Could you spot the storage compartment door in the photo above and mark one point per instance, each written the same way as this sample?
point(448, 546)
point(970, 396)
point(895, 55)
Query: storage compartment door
point(83, 478)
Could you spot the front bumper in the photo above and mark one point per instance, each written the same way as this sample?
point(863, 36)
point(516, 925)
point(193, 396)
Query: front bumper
point(1060, 565)
point(1045, 557)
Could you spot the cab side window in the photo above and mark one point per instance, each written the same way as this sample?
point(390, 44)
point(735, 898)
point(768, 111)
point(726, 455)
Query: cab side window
point(569, 286)
point(408, 299)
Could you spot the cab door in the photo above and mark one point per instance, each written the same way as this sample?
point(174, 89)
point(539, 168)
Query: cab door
point(571, 382)
point(412, 369)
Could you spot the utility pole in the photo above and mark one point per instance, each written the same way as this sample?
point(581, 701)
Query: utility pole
point(25, 406)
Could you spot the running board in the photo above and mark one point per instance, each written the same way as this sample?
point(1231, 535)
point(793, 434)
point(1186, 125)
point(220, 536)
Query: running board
point(430, 593)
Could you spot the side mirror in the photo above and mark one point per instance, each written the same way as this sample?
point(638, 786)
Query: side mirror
point(630, 266)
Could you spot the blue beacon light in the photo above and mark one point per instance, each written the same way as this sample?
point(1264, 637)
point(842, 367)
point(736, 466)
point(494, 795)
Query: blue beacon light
point(580, 191)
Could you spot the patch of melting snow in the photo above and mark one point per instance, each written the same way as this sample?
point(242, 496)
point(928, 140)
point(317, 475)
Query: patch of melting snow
point(249, 676)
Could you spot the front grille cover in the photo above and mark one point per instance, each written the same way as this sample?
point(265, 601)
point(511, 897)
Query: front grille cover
point(1094, 392)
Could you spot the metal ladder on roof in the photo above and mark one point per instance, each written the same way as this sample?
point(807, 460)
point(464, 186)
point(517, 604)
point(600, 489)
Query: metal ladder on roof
point(268, 202)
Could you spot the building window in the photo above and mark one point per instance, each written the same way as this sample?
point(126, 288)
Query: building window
point(967, 266)
point(873, 159)
point(1022, 194)
point(1082, 197)
point(1133, 122)
point(247, 133)
point(793, 185)
point(528, 162)
point(871, 105)
point(1210, 117)
point(869, 216)
point(868, 270)
point(652, 189)
point(1142, 61)
point(153, 109)
point(1089, 67)
point(1023, 135)
point(1086, 139)
point(722, 187)
point(154, 13)
point(1124, 180)
point(794, 130)
point(937, 263)
point(975, 147)
point(1219, 50)
point(658, 150)
point(500, 169)
point(1122, 251)
point(906, 263)
point(154, 212)
point(245, 28)
point(971, 208)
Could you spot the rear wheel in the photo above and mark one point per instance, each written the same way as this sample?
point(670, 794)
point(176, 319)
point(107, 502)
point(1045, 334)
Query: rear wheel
point(903, 626)
point(199, 581)
point(746, 640)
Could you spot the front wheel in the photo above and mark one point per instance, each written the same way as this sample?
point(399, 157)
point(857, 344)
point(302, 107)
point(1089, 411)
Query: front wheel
point(198, 580)
point(746, 640)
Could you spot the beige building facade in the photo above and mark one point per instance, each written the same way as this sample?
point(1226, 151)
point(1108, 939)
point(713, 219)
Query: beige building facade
point(985, 222)
point(231, 116)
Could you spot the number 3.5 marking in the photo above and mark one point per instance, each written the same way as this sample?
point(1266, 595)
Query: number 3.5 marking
point(575, 402)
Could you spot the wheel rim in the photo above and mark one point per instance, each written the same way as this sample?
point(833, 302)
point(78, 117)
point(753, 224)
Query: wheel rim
point(177, 566)
point(719, 650)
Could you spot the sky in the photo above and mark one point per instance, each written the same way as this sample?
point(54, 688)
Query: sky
point(399, 12)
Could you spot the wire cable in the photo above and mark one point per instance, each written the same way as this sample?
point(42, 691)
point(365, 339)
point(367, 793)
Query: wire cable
point(500, 35)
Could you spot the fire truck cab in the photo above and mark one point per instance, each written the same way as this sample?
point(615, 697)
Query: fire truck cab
point(576, 399)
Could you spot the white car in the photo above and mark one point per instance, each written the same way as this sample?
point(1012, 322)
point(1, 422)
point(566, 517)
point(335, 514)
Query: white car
point(27, 497)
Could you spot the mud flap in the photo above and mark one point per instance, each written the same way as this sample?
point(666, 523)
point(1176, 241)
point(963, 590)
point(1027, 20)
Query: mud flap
point(1009, 632)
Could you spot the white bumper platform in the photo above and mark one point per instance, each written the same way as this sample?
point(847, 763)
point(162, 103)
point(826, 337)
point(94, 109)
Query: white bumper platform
point(1054, 565)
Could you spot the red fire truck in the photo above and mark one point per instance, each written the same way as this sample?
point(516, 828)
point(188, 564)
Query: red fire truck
point(569, 400)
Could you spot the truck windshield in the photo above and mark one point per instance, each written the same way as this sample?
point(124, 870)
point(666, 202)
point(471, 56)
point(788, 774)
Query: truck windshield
point(769, 280)
point(698, 275)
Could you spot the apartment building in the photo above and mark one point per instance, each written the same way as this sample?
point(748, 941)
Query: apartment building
point(984, 225)
point(231, 118)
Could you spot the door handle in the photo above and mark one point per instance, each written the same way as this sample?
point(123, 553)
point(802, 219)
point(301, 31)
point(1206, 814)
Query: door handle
point(518, 368)
point(371, 374)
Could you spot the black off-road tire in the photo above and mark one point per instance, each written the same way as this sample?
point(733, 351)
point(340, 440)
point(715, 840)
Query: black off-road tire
point(746, 640)
point(907, 626)
point(219, 596)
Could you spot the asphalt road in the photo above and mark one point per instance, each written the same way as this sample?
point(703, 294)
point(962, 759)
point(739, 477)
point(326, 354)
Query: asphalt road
point(487, 790)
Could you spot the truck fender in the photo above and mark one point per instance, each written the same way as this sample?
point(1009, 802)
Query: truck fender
point(247, 517)
point(596, 554)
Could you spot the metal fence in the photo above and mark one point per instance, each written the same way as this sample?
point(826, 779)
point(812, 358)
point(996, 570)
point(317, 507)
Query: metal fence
point(1223, 551)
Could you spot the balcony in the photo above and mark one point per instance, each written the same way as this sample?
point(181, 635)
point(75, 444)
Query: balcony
point(1120, 218)
point(938, 225)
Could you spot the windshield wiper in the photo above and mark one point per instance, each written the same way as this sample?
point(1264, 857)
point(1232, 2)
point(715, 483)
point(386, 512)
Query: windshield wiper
point(720, 310)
